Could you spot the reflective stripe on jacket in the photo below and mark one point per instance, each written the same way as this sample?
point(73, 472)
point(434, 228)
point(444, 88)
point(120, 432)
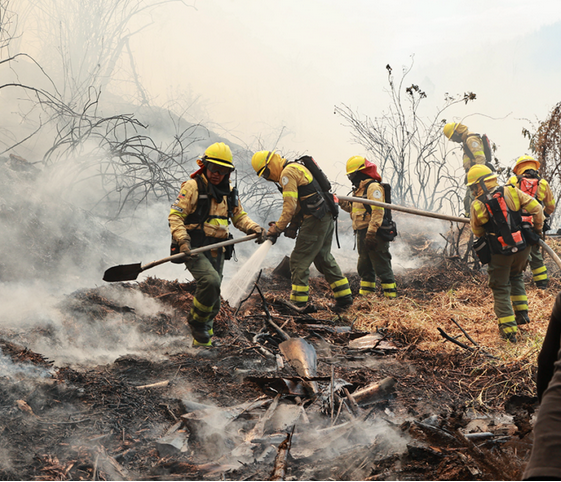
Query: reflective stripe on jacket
point(543, 192)
point(359, 214)
point(216, 223)
point(294, 179)
point(515, 200)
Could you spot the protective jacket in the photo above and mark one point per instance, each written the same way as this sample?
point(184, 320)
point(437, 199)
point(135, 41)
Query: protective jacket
point(300, 193)
point(538, 188)
point(362, 217)
point(515, 201)
point(473, 149)
point(197, 214)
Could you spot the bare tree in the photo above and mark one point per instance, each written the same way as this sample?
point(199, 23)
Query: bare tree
point(92, 37)
point(410, 150)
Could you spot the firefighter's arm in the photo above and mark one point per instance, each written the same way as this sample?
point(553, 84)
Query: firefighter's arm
point(185, 204)
point(375, 193)
point(513, 181)
point(533, 207)
point(548, 200)
point(478, 217)
point(346, 206)
point(289, 183)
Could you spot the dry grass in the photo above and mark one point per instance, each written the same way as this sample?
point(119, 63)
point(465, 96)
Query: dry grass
point(470, 304)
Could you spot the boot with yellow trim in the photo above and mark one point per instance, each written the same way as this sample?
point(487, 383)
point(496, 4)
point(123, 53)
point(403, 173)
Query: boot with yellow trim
point(342, 304)
point(390, 290)
point(199, 331)
point(542, 284)
point(521, 317)
point(508, 333)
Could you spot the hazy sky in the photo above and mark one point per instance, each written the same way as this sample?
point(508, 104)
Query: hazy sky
point(258, 65)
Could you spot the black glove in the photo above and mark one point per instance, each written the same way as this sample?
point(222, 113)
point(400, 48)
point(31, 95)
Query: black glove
point(185, 248)
point(262, 234)
point(273, 232)
point(370, 240)
point(291, 231)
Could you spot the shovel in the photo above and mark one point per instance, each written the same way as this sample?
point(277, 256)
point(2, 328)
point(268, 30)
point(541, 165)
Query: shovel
point(302, 357)
point(129, 272)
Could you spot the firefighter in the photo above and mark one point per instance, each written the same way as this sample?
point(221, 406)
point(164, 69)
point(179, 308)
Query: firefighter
point(496, 214)
point(474, 153)
point(306, 217)
point(374, 258)
point(199, 217)
point(545, 459)
point(527, 179)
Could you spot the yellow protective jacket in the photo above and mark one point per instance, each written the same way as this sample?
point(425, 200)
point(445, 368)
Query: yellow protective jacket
point(474, 144)
point(293, 178)
point(216, 224)
point(544, 194)
point(359, 213)
point(515, 200)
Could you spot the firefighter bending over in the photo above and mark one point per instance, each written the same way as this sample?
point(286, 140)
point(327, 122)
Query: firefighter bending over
point(474, 153)
point(306, 217)
point(199, 217)
point(527, 179)
point(496, 216)
point(373, 227)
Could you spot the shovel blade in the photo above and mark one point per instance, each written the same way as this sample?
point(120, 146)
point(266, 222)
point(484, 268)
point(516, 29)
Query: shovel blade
point(123, 272)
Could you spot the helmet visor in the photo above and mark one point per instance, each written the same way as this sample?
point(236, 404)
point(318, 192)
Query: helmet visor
point(215, 168)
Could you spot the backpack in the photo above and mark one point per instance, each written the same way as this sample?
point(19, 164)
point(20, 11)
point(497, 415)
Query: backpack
point(388, 230)
point(503, 230)
point(309, 163)
point(487, 150)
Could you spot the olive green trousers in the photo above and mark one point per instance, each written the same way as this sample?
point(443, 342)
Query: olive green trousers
point(313, 245)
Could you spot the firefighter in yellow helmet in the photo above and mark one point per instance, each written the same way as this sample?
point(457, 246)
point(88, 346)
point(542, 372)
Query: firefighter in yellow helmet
point(496, 216)
point(199, 217)
point(472, 146)
point(373, 227)
point(305, 207)
point(528, 180)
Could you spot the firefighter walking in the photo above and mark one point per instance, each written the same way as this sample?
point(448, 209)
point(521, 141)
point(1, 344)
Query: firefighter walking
point(370, 224)
point(199, 217)
point(306, 217)
point(496, 215)
point(527, 179)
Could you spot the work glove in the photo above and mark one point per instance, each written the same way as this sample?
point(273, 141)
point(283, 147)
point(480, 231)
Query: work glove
point(262, 234)
point(273, 232)
point(370, 240)
point(185, 248)
point(291, 231)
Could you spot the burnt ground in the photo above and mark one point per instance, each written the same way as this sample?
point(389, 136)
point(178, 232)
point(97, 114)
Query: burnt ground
point(230, 412)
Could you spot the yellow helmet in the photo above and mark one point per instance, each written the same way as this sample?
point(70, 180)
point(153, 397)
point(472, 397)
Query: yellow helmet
point(260, 160)
point(219, 153)
point(355, 163)
point(523, 163)
point(449, 129)
point(479, 171)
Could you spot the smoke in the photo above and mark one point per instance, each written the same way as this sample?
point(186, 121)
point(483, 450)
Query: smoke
point(11, 370)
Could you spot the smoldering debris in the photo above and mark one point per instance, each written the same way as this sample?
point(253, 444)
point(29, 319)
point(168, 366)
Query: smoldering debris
point(379, 411)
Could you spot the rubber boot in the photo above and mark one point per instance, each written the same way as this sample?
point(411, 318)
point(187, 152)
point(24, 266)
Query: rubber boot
point(342, 304)
point(522, 318)
point(542, 284)
point(201, 336)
